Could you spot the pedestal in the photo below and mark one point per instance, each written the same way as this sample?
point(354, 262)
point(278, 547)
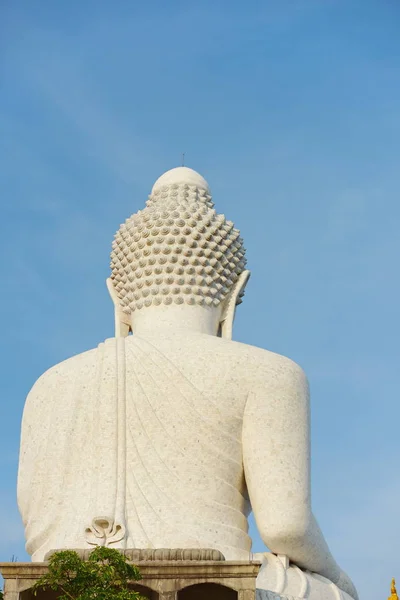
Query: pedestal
point(161, 580)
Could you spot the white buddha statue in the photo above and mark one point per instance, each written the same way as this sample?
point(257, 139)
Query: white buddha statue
point(168, 437)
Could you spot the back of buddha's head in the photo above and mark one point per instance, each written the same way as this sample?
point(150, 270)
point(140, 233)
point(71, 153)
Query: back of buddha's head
point(177, 250)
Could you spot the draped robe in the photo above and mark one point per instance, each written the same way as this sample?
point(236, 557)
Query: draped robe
point(119, 448)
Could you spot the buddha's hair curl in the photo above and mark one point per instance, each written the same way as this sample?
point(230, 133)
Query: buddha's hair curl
point(177, 250)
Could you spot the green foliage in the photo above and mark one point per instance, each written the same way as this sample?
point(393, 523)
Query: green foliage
point(104, 576)
point(1, 595)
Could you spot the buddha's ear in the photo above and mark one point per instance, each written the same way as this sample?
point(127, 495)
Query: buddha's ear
point(230, 303)
point(122, 323)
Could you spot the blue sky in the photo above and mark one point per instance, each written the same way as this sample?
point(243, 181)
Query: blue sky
point(290, 109)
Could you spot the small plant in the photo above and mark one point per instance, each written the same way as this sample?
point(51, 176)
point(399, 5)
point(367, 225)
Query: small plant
point(104, 576)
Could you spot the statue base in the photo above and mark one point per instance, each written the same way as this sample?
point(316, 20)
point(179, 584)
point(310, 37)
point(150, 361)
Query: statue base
point(193, 574)
point(161, 580)
point(139, 555)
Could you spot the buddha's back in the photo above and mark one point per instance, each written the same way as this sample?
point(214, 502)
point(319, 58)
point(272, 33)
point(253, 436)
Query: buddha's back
point(149, 441)
point(185, 401)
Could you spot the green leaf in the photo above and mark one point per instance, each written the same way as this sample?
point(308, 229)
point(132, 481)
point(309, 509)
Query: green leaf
point(104, 576)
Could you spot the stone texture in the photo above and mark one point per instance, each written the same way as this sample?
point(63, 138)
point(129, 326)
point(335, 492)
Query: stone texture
point(280, 579)
point(137, 555)
point(166, 438)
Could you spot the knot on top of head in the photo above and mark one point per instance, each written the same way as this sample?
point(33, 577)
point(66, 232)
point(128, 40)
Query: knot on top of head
point(178, 249)
point(182, 184)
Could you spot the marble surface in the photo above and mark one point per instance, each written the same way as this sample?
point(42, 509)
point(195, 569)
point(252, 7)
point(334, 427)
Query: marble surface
point(167, 437)
point(279, 579)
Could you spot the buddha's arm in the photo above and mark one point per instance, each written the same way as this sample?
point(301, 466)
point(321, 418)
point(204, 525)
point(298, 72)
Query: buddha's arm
point(276, 454)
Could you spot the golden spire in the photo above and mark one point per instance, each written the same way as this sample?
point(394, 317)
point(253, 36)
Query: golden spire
point(393, 592)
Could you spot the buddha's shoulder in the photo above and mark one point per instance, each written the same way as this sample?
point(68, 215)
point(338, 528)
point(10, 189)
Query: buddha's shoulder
point(265, 360)
point(78, 367)
point(263, 369)
point(240, 356)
